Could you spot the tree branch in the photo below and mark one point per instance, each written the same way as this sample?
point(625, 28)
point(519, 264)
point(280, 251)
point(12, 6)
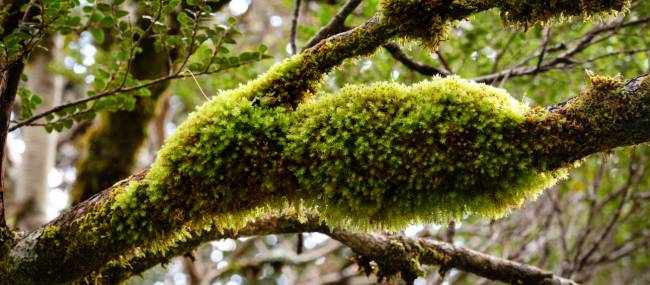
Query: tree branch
point(406, 255)
point(233, 159)
point(335, 26)
point(393, 252)
point(412, 64)
point(294, 27)
point(77, 233)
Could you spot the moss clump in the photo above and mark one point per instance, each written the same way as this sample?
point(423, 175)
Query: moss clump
point(226, 158)
point(368, 157)
point(384, 155)
point(529, 12)
point(426, 20)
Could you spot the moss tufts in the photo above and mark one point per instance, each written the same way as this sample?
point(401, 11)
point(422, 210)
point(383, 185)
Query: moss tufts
point(369, 157)
point(385, 155)
point(516, 12)
point(426, 20)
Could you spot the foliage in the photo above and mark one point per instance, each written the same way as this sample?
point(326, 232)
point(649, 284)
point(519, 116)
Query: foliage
point(194, 45)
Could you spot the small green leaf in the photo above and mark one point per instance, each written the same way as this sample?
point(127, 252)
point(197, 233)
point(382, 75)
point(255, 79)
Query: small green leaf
point(67, 123)
point(107, 21)
point(121, 13)
point(263, 49)
point(37, 100)
point(196, 66)
point(98, 34)
point(144, 92)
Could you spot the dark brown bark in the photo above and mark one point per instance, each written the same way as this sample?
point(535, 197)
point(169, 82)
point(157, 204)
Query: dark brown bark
point(8, 88)
point(9, 80)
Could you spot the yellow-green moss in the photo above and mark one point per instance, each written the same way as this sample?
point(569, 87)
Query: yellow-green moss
point(385, 155)
point(375, 156)
point(529, 12)
point(427, 20)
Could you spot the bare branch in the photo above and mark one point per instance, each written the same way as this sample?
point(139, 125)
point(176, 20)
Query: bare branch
point(336, 25)
point(412, 64)
point(294, 27)
point(120, 89)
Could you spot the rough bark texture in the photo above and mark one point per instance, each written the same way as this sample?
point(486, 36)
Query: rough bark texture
point(398, 254)
point(9, 79)
point(8, 88)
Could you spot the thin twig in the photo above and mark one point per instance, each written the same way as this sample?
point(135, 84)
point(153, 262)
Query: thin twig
point(547, 38)
point(294, 27)
point(198, 85)
point(336, 25)
point(28, 122)
point(412, 64)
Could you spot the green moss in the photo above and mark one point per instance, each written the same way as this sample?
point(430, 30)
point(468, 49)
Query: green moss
point(111, 146)
point(369, 157)
point(385, 155)
point(529, 12)
point(50, 232)
point(610, 113)
point(427, 20)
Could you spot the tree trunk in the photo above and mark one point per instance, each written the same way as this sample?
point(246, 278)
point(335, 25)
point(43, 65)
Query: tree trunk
point(40, 147)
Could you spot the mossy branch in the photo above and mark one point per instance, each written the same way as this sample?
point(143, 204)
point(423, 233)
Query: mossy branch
point(369, 157)
point(277, 159)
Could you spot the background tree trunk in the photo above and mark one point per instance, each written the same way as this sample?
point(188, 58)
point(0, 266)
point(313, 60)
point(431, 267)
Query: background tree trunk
point(32, 187)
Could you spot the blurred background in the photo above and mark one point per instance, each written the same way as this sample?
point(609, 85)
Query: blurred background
point(593, 227)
